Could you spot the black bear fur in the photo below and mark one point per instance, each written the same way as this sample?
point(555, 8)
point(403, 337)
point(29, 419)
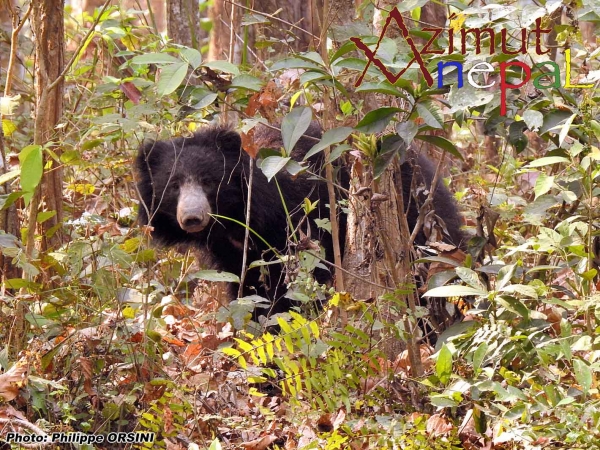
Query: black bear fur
point(216, 167)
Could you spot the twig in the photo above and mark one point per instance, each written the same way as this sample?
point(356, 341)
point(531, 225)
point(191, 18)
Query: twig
point(81, 45)
point(247, 232)
point(272, 17)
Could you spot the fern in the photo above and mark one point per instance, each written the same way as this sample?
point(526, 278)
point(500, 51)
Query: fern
point(327, 373)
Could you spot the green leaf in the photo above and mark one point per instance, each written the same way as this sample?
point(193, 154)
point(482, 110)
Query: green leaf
point(382, 87)
point(171, 77)
point(470, 277)
point(543, 184)
point(478, 356)
point(296, 63)
point(216, 275)
point(546, 161)
point(443, 401)
point(215, 445)
point(442, 143)
point(454, 291)
point(533, 119)
point(272, 165)
point(246, 81)
point(32, 168)
point(517, 137)
point(583, 374)
point(407, 131)
point(443, 365)
point(155, 58)
point(192, 56)
point(330, 137)
point(430, 114)
point(223, 66)
point(375, 121)
point(294, 125)
point(9, 175)
point(505, 274)
point(205, 101)
point(564, 130)
point(553, 119)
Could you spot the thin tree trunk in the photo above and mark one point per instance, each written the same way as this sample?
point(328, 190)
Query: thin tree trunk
point(47, 22)
point(183, 22)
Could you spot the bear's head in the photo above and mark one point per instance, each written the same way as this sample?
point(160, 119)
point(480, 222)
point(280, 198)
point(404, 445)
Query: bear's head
point(180, 180)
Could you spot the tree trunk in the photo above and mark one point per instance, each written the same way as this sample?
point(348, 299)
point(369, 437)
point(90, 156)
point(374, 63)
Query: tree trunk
point(292, 26)
point(377, 244)
point(183, 22)
point(47, 23)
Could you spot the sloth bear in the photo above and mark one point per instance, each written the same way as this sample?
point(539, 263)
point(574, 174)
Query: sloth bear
point(185, 182)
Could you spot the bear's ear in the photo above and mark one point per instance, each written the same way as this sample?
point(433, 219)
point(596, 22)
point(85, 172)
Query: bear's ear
point(228, 141)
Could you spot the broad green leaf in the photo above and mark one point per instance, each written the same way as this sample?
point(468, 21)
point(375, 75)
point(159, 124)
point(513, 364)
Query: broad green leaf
point(454, 291)
point(505, 274)
point(246, 81)
point(543, 184)
point(430, 114)
point(382, 87)
point(32, 168)
point(407, 131)
point(553, 119)
point(207, 100)
point(272, 165)
point(155, 58)
point(564, 130)
point(442, 143)
point(517, 137)
point(215, 275)
point(583, 374)
point(8, 127)
point(470, 277)
point(223, 66)
point(330, 137)
point(215, 445)
point(171, 77)
point(546, 161)
point(443, 365)
point(296, 63)
point(294, 126)
point(375, 121)
point(443, 401)
point(192, 56)
point(479, 355)
point(9, 175)
point(533, 119)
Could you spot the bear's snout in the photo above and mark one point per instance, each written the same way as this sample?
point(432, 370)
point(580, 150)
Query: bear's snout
point(193, 208)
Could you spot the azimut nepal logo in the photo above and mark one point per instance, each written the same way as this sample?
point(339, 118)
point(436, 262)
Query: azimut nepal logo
point(457, 40)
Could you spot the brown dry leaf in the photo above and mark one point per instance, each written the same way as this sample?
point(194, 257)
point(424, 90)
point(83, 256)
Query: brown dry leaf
point(266, 102)
point(131, 92)
point(339, 419)
point(469, 437)
point(307, 435)
point(153, 391)
point(173, 341)
point(176, 310)
point(438, 425)
point(402, 363)
point(249, 143)
point(168, 419)
point(13, 380)
point(260, 443)
point(88, 373)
